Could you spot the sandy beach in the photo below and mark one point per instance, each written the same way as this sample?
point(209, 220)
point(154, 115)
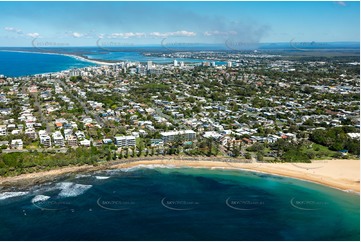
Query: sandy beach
point(339, 174)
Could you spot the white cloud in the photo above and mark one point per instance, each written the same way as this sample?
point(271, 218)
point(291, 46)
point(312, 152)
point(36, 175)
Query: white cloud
point(33, 35)
point(182, 33)
point(21, 33)
point(77, 35)
point(219, 33)
point(12, 29)
point(341, 3)
point(127, 35)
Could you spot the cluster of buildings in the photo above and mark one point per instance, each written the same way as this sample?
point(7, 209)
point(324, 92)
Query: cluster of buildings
point(228, 103)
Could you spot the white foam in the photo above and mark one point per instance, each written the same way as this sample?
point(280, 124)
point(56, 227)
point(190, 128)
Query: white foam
point(6, 195)
point(102, 177)
point(138, 167)
point(39, 198)
point(70, 189)
point(81, 176)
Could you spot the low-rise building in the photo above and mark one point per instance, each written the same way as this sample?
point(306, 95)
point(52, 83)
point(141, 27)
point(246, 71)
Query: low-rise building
point(156, 142)
point(184, 135)
point(45, 139)
point(124, 141)
point(30, 133)
point(72, 140)
point(17, 144)
point(3, 130)
point(85, 143)
point(58, 139)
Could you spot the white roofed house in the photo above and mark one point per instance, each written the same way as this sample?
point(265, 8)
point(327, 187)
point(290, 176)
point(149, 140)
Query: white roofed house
point(58, 139)
point(80, 135)
point(67, 133)
point(212, 134)
point(15, 132)
point(30, 133)
point(85, 142)
point(17, 144)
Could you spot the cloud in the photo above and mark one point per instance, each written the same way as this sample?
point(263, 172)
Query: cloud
point(126, 35)
point(77, 35)
point(33, 35)
point(341, 3)
point(182, 33)
point(21, 33)
point(219, 33)
point(14, 30)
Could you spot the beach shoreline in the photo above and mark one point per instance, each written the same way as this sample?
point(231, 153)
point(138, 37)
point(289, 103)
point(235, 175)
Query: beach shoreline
point(339, 174)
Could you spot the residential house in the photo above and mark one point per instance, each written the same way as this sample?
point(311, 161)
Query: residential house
point(17, 144)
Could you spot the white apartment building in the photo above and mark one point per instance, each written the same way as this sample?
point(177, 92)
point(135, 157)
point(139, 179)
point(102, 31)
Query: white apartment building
point(58, 139)
point(45, 139)
point(183, 135)
point(3, 130)
point(124, 141)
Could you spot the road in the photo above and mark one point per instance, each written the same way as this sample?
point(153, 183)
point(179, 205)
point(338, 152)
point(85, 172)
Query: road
point(82, 104)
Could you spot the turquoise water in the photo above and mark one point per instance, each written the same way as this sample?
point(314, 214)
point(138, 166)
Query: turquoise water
point(179, 204)
point(16, 64)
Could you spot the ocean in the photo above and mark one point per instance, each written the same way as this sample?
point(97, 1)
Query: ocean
point(15, 64)
point(158, 203)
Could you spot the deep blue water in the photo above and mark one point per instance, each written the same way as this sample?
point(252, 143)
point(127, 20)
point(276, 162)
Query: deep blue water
point(180, 204)
point(16, 64)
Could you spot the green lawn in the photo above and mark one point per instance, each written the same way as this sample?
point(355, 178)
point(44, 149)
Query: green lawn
point(320, 151)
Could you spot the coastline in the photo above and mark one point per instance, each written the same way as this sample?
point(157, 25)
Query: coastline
point(339, 174)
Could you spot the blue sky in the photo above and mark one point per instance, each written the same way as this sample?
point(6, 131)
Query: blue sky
point(112, 23)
